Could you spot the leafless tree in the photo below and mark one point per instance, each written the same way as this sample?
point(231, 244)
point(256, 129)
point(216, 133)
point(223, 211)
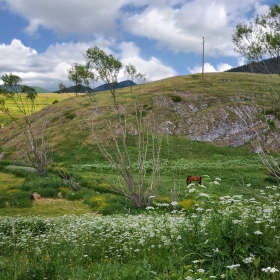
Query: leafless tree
point(134, 182)
point(34, 147)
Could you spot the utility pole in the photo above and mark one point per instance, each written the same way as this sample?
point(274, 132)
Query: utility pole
point(203, 58)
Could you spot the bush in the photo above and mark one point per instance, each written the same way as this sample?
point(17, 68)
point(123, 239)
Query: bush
point(18, 199)
point(176, 98)
point(108, 204)
point(47, 192)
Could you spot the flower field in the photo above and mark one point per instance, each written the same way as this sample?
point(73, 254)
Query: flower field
point(227, 237)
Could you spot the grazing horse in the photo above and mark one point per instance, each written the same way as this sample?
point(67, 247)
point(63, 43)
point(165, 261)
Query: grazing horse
point(193, 178)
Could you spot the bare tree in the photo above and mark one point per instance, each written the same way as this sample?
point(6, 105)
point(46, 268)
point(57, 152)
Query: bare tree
point(35, 149)
point(134, 181)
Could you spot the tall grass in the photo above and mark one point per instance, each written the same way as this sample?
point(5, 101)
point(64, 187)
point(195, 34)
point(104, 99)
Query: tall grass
point(227, 237)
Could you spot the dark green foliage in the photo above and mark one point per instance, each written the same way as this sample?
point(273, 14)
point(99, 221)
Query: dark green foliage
point(108, 204)
point(70, 116)
point(176, 98)
point(263, 67)
point(55, 101)
point(140, 113)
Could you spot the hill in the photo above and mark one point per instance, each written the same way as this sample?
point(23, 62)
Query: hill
point(208, 111)
point(103, 87)
point(39, 89)
point(271, 65)
point(208, 127)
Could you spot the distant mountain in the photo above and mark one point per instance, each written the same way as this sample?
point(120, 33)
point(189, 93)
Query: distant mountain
point(103, 87)
point(271, 64)
point(42, 90)
point(83, 89)
point(122, 84)
point(38, 89)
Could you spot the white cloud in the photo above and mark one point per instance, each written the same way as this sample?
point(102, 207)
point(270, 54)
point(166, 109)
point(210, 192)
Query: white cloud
point(241, 61)
point(46, 69)
point(221, 67)
point(153, 68)
point(66, 17)
point(171, 25)
point(182, 29)
point(174, 24)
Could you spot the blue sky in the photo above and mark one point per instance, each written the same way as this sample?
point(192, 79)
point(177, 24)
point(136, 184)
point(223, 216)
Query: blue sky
point(40, 40)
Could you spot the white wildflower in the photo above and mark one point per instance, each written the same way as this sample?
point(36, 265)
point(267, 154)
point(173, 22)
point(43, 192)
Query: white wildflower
point(270, 269)
point(233, 266)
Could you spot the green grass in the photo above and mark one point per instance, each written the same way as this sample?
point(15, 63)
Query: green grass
point(213, 238)
point(73, 146)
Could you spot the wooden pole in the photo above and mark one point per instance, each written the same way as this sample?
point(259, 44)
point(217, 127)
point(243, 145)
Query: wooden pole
point(203, 58)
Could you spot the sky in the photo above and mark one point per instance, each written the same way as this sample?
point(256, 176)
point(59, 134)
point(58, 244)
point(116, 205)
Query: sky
point(40, 40)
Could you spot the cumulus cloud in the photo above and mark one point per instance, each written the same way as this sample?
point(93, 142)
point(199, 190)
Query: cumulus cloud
point(66, 17)
point(153, 68)
point(48, 68)
point(221, 67)
point(170, 26)
point(181, 29)
point(44, 69)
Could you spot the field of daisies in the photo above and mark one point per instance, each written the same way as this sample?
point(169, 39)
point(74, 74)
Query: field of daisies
point(229, 237)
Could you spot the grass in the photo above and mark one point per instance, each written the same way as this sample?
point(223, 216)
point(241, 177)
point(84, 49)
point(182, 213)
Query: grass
point(72, 144)
point(49, 207)
point(43, 100)
point(228, 237)
point(226, 228)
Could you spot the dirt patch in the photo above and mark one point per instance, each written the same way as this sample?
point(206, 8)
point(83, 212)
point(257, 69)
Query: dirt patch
point(35, 196)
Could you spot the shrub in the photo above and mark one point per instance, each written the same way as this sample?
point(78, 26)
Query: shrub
point(186, 204)
point(55, 101)
point(47, 192)
point(19, 199)
point(108, 204)
point(176, 98)
point(70, 116)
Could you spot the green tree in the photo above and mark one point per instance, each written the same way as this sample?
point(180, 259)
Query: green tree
point(107, 68)
point(81, 76)
point(258, 41)
point(35, 148)
point(261, 39)
point(131, 74)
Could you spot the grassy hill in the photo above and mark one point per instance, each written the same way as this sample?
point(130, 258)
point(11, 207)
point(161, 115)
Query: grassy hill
point(186, 109)
point(41, 90)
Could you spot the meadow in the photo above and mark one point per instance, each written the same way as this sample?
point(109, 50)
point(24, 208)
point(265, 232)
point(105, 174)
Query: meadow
point(225, 228)
point(227, 237)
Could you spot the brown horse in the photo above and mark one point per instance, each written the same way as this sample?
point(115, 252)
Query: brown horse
point(193, 178)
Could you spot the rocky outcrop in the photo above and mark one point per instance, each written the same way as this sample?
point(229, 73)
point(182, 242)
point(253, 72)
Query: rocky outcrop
point(205, 118)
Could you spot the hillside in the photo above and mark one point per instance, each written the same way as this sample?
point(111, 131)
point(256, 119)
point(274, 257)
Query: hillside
point(215, 110)
point(271, 65)
point(39, 89)
point(208, 127)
